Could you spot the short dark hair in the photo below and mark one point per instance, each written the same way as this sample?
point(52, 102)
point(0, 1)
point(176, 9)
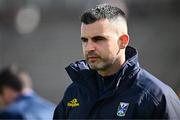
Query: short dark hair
point(102, 11)
point(9, 77)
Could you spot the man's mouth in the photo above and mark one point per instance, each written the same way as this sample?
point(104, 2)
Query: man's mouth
point(92, 59)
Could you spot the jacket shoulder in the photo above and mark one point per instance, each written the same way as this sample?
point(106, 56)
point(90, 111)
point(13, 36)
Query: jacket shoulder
point(153, 86)
point(72, 90)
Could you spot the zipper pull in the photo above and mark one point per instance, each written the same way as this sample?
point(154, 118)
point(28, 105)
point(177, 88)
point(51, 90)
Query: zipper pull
point(118, 82)
point(103, 84)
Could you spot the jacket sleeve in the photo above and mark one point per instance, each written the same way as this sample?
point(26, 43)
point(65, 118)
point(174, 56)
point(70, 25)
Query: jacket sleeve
point(60, 111)
point(169, 107)
point(173, 106)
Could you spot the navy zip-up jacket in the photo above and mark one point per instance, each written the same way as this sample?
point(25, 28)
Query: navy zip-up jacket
point(134, 93)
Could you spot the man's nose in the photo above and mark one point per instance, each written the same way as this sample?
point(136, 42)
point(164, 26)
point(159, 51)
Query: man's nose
point(90, 46)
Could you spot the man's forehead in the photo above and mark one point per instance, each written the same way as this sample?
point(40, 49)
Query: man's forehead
point(99, 23)
point(96, 28)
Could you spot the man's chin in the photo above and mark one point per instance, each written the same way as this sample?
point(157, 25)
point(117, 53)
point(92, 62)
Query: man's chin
point(92, 65)
point(99, 66)
point(95, 66)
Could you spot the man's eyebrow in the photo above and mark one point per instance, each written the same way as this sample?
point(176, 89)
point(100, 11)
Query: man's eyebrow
point(83, 38)
point(95, 37)
point(99, 37)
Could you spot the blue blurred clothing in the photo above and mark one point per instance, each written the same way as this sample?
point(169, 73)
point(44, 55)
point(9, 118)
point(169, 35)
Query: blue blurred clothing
point(29, 107)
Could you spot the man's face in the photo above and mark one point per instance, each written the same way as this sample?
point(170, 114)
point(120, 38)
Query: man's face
point(8, 95)
point(100, 42)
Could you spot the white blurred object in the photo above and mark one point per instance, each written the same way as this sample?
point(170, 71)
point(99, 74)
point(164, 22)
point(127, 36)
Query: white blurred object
point(27, 19)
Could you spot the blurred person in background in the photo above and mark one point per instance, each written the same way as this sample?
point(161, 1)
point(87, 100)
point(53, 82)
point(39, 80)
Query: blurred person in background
point(109, 83)
point(1, 103)
point(19, 99)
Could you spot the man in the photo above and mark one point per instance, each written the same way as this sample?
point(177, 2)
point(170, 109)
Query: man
point(110, 84)
point(20, 101)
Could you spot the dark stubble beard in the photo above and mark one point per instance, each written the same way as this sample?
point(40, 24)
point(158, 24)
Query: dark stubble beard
point(103, 64)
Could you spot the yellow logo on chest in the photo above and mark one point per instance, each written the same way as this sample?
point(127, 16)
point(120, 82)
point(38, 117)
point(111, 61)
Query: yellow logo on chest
point(73, 103)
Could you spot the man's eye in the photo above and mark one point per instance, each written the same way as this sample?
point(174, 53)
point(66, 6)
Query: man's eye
point(84, 40)
point(99, 39)
point(96, 39)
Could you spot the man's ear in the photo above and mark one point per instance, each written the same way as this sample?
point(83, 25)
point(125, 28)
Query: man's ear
point(123, 41)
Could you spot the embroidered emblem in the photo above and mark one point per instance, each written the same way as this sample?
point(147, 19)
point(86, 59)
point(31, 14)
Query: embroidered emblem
point(73, 103)
point(122, 109)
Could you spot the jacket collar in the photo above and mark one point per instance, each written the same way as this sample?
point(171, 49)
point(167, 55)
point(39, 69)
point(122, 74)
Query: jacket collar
point(81, 70)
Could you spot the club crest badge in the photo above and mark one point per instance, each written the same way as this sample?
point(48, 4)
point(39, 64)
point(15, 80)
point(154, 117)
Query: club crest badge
point(122, 109)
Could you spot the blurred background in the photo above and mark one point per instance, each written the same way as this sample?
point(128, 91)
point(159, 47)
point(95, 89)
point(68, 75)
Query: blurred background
point(43, 36)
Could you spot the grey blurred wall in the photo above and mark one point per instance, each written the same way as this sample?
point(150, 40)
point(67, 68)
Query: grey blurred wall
point(55, 43)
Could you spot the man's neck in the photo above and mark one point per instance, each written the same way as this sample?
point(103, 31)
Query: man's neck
point(26, 91)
